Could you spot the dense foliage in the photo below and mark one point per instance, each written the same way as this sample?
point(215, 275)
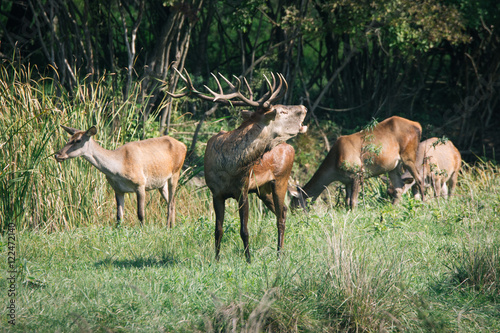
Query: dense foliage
point(433, 61)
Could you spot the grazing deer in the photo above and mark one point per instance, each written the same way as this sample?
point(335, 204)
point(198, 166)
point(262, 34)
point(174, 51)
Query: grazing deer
point(134, 167)
point(438, 164)
point(396, 140)
point(251, 157)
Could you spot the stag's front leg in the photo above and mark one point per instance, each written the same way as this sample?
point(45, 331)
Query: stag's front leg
point(243, 210)
point(141, 198)
point(219, 222)
point(120, 203)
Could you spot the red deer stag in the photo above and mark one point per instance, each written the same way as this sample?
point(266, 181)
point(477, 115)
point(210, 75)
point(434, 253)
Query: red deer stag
point(438, 164)
point(349, 159)
point(134, 167)
point(253, 156)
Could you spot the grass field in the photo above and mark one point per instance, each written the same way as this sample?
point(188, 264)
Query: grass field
point(416, 267)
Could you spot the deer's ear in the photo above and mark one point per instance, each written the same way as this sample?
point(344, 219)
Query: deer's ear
point(293, 191)
point(91, 131)
point(407, 178)
point(270, 115)
point(246, 114)
point(408, 181)
point(70, 130)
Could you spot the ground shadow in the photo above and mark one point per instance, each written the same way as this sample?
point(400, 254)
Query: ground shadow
point(139, 262)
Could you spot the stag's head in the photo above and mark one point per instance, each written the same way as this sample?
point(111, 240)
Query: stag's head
point(77, 145)
point(284, 122)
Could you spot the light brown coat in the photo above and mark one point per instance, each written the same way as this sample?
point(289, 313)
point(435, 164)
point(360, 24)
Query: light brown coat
point(350, 159)
point(134, 167)
point(438, 164)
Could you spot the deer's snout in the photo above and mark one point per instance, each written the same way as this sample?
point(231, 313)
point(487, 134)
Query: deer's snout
point(60, 156)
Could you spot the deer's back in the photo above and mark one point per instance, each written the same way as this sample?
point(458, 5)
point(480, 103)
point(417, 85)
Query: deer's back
point(152, 162)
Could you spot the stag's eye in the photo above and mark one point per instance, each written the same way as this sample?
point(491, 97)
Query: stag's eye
point(78, 141)
point(284, 112)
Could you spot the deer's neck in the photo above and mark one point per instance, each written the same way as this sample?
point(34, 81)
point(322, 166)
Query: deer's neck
point(326, 173)
point(107, 161)
point(314, 187)
point(241, 147)
point(256, 141)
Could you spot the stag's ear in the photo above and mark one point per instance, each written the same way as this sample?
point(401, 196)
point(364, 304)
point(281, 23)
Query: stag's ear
point(70, 130)
point(270, 115)
point(91, 131)
point(246, 114)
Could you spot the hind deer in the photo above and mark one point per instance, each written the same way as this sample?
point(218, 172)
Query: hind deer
point(438, 164)
point(135, 167)
point(253, 157)
point(348, 160)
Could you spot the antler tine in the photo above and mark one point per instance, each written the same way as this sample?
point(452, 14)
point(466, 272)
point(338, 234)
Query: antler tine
point(239, 82)
point(188, 81)
point(213, 92)
point(275, 93)
point(217, 97)
point(189, 86)
point(230, 84)
point(181, 94)
point(220, 97)
point(281, 92)
point(248, 88)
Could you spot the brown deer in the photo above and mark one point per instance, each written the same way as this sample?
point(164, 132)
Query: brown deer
point(253, 156)
point(394, 143)
point(269, 180)
point(438, 164)
point(134, 167)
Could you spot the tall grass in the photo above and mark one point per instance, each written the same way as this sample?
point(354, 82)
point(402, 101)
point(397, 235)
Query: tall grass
point(25, 131)
point(37, 192)
point(418, 267)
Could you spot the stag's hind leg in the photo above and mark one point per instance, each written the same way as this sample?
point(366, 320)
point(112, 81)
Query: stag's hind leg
point(219, 209)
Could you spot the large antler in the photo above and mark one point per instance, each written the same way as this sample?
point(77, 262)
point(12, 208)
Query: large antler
point(274, 93)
